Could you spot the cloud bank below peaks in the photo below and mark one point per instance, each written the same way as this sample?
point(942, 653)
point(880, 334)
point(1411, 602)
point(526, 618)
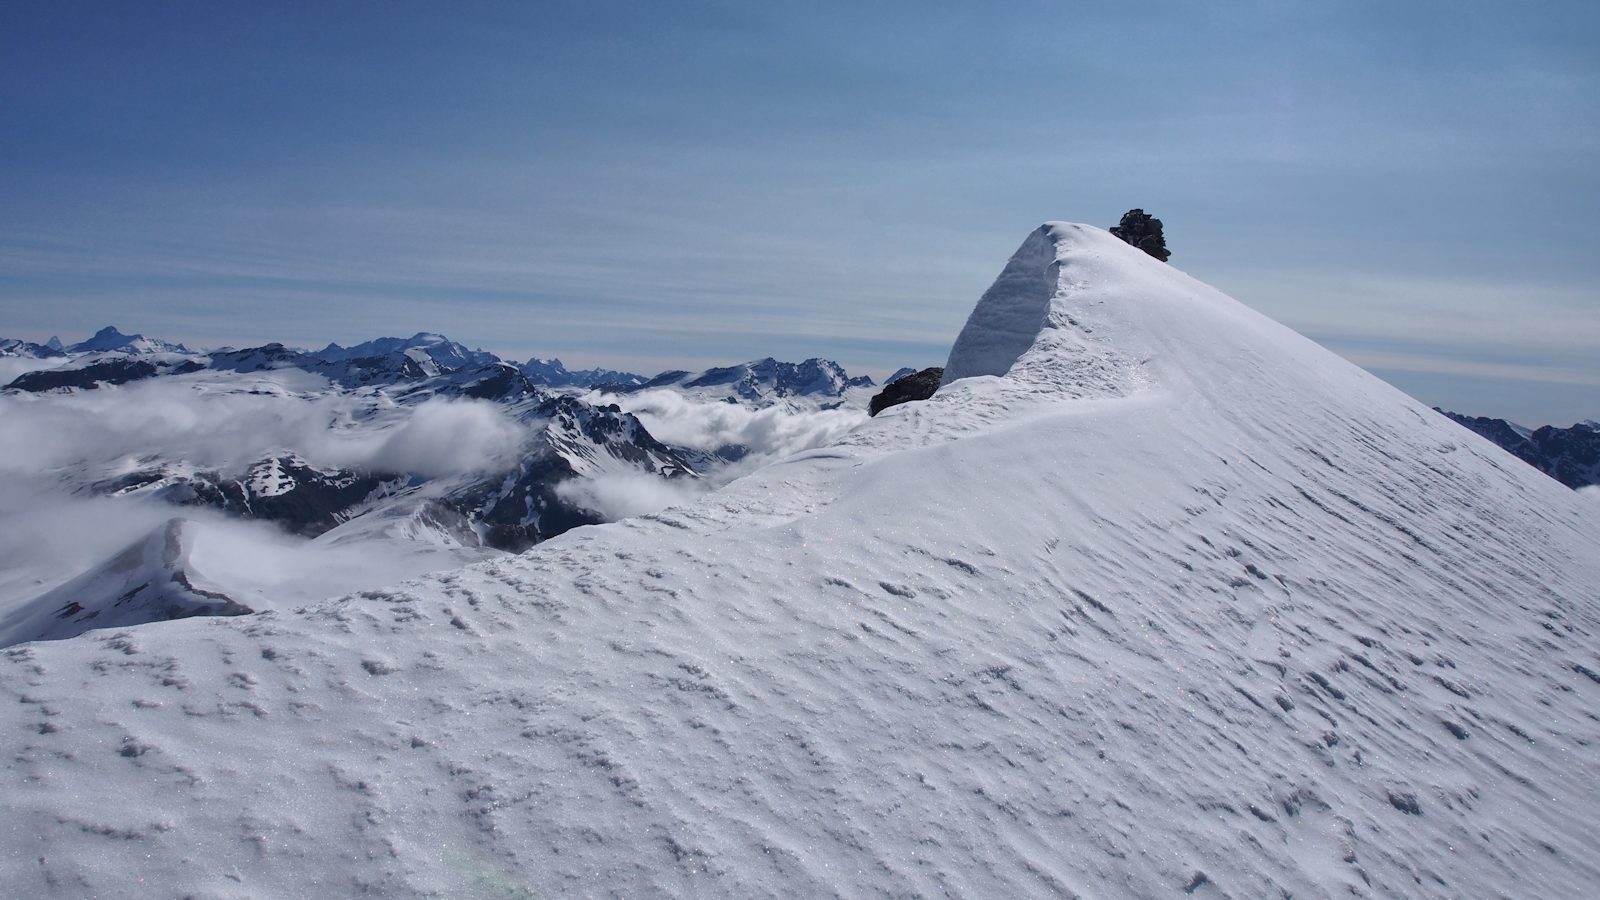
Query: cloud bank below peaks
point(227, 431)
point(765, 435)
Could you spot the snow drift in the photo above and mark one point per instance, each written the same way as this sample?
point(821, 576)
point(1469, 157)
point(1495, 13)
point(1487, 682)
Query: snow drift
point(1155, 597)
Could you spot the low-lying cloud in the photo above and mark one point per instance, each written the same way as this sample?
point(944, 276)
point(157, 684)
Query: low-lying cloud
point(47, 538)
point(14, 367)
point(768, 434)
point(763, 436)
point(450, 437)
point(181, 419)
point(51, 529)
point(618, 495)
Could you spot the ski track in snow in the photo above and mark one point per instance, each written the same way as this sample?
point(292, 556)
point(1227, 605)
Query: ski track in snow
point(1181, 606)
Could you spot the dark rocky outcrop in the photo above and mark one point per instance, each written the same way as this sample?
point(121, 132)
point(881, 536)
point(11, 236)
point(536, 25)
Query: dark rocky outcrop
point(907, 388)
point(1143, 231)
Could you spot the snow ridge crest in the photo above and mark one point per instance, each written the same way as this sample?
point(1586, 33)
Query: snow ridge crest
point(1008, 318)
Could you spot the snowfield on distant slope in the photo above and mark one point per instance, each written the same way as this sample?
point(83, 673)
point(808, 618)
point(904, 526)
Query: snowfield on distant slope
point(1159, 600)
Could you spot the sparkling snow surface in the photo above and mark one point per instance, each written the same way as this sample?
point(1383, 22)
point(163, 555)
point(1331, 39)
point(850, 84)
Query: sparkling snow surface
point(1181, 604)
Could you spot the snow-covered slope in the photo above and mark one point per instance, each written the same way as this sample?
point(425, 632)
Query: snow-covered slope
point(151, 581)
point(1163, 600)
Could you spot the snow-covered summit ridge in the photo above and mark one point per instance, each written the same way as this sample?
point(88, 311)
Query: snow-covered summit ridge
point(1010, 315)
point(1175, 604)
point(1079, 313)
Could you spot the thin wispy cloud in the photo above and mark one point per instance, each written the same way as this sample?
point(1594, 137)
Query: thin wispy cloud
point(713, 181)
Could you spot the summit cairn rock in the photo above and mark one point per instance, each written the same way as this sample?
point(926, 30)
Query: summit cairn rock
point(1143, 231)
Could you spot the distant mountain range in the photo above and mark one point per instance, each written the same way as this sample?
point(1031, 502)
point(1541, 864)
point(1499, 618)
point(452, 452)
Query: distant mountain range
point(1569, 455)
point(575, 437)
point(111, 357)
point(505, 511)
point(761, 382)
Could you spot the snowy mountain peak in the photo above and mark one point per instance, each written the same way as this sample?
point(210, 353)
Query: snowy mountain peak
point(438, 350)
point(28, 349)
point(764, 381)
point(1078, 312)
point(109, 338)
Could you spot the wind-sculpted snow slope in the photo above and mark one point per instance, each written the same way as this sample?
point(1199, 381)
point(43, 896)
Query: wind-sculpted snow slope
point(1179, 604)
point(151, 581)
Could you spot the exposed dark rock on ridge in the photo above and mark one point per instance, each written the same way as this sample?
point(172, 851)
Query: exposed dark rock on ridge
point(906, 388)
point(1143, 231)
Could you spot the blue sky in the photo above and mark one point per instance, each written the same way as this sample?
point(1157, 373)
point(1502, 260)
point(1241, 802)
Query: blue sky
point(654, 185)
